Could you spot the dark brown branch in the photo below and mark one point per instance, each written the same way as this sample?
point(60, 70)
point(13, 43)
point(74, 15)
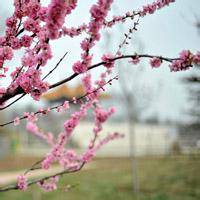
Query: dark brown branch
point(8, 95)
point(10, 104)
point(114, 59)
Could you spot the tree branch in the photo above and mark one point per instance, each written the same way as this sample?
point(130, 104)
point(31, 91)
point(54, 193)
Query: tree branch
point(8, 95)
point(71, 101)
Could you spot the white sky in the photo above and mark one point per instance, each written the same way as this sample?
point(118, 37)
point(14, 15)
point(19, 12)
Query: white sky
point(165, 33)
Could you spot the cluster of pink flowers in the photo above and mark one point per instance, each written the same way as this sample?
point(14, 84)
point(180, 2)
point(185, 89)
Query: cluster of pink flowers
point(92, 150)
point(70, 159)
point(101, 116)
point(32, 128)
point(56, 13)
point(147, 9)
point(69, 125)
point(31, 59)
point(151, 8)
point(185, 61)
point(16, 121)
point(98, 13)
point(72, 32)
point(80, 67)
point(22, 182)
point(31, 82)
point(32, 117)
point(108, 59)
point(155, 62)
point(2, 91)
point(49, 185)
point(64, 106)
point(107, 139)
point(6, 53)
point(119, 18)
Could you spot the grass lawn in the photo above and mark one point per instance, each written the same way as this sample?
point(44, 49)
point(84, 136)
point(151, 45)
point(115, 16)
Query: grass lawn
point(169, 178)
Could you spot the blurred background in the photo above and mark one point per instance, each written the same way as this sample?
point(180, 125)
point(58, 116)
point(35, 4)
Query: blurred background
point(157, 110)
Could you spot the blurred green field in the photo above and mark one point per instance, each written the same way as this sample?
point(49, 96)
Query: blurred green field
point(168, 178)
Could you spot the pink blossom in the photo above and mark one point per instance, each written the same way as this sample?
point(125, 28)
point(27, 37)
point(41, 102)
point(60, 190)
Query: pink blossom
point(46, 163)
point(151, 8)
point(101, 116)
point(11, 21)
point(49, 185)
point(155, 62)
point(72, 32)
point(56, 13)
point(26, 40)
point(79, 67)
point(69, 159)
point(31, 82)
point(184, 61)
point(108, 59)
point(16, 121)
point(32, 8)
point(22, 182)
point(2, 91)
point(196, 58)
point(32, 128)
point(107, 139)
point(88, 155)
point(135, 60)
point(31, 25)
point(65, 105)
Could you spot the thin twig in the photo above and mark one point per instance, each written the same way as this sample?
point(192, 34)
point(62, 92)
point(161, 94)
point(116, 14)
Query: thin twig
point(15, 187)
point(57, 64)
point(57, 106)
point(10, 104)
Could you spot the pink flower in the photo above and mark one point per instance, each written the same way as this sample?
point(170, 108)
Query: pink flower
point(16, 121)
point(46, 163)
point(2, 91)
point(32, 128)
point(88, 155)
point(79, 67)
point(31, 25)
point(151, 8)
point(56, 13)
point(22, 182)
point(101, 116)
point(184, 61)
point(65, 105)
point(185, 54)
point(26, 40)
point(108, 59)
point(196, 58)
point(155, 62)
point(108, 138)
point(49, 185)
point(31, 82)
point(135, 60)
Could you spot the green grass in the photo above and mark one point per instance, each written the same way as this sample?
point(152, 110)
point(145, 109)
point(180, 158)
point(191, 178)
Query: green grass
point(169, 178)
